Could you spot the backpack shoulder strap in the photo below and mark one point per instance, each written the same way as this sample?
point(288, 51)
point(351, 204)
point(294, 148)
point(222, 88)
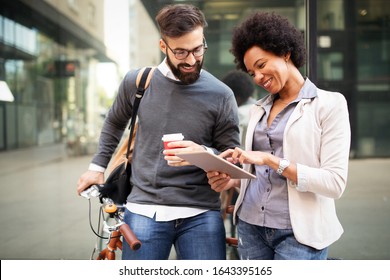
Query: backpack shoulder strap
point(142, 82)
point(143, 78)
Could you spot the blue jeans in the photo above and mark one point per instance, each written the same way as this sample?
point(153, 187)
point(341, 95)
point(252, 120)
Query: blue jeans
point(201, 237)
point(262, 243)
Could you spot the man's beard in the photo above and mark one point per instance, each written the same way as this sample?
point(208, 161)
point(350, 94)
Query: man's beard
point(186, 78)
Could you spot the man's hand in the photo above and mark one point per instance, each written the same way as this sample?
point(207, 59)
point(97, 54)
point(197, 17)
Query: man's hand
point(177, 147)
point(88, 179)
point(220, 182)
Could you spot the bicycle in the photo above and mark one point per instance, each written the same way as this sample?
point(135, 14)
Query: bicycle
point(110, 232)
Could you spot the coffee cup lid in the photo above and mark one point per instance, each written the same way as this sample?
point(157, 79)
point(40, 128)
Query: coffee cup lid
point(173, 137)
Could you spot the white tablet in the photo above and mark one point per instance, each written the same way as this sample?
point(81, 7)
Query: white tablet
point(211, 162)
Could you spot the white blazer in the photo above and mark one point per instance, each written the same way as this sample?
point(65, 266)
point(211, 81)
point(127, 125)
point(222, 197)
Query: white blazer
point(317, 138)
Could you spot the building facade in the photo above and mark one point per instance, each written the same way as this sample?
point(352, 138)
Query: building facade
point(49, 50)
point(348, 44)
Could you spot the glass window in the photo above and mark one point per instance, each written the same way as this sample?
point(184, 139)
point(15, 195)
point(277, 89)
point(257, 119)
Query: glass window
point(373, 77)
point(1, 28)
point(330, 15)
point(9, 31)
point(331, 66)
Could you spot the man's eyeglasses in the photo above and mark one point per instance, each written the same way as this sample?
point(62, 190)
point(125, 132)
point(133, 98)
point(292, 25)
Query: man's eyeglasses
point(181, 54)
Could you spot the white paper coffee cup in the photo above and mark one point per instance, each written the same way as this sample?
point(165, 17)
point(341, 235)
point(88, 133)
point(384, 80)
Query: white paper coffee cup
point(167, 138)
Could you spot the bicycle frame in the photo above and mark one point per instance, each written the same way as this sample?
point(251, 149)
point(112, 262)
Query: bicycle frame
point(113, 244)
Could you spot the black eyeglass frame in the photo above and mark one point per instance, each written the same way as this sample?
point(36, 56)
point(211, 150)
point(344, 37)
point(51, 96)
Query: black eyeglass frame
point(204, 45)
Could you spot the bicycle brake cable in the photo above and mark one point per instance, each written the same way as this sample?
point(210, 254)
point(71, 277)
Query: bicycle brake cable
point(90, 221)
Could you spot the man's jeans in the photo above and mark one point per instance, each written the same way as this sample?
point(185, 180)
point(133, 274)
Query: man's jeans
point(201, 237)
point(262, 243)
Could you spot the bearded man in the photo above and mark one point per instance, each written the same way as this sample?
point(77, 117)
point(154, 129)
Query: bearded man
point(172, 204)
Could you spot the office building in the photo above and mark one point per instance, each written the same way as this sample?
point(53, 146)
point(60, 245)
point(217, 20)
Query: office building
point(348, 44)
point(49, 51)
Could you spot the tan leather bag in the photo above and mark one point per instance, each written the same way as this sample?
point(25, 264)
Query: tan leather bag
point(120, 154)
point(117, 185)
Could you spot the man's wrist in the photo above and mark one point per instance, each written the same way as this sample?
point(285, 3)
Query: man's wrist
point(95, 167)
point(208, 149)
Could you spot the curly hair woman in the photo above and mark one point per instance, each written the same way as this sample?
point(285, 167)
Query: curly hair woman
point(297, 145)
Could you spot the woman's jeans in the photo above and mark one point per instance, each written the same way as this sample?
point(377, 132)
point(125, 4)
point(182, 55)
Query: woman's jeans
point(262, 243)
point(201, 237)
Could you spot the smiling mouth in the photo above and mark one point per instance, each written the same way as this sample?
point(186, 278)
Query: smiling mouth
point(188, 68)
point(267, 83)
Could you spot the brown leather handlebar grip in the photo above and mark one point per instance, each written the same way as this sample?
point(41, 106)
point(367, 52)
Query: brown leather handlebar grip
point(232, 241)
point(130, 237)
point(230, 209)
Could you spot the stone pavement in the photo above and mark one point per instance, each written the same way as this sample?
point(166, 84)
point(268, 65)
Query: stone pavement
point(43, 218)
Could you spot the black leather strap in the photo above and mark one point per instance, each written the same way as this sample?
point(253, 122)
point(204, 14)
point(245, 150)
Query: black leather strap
point(140, 93)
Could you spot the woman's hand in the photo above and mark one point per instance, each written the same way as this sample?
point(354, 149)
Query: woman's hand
point(249, 157)
point(261, 158)
point(219, 181)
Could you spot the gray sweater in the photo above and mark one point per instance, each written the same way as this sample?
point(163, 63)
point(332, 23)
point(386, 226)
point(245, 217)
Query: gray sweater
point(205, 112)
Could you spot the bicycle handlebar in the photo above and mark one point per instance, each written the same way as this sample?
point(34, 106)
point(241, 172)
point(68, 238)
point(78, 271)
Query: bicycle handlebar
point(130, 237)
point(111, 208)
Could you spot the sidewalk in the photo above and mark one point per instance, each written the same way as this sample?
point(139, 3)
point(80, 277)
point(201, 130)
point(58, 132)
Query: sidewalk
point(364, 212)
point(43, 218)
point(21, 159)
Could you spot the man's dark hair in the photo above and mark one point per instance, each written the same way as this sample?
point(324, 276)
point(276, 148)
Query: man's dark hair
point(177, 20)
point(271, 33)
point(241, 85)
